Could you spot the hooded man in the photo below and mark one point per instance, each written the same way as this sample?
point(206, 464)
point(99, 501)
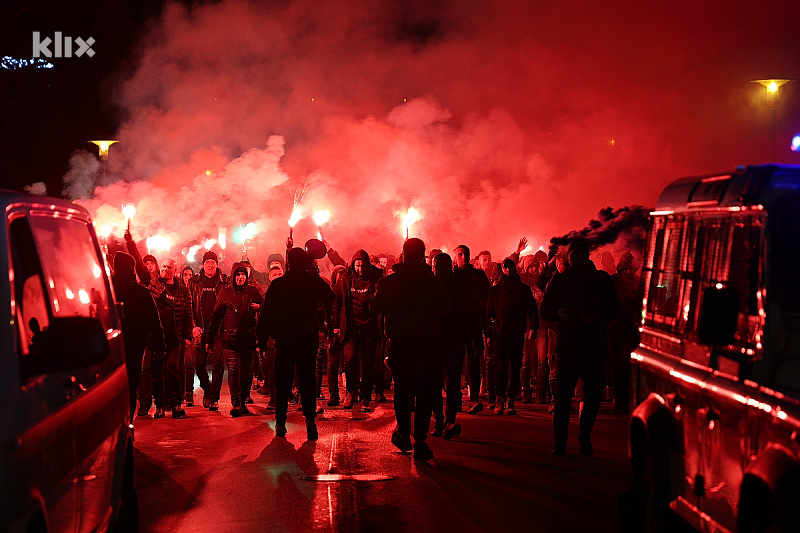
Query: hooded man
point(357, 327)
point(289, 316)
point(511, 311)
point(141, 326)
point(236, 311)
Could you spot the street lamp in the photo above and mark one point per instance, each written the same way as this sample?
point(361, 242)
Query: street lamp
point(773, 86)
point(103, 146)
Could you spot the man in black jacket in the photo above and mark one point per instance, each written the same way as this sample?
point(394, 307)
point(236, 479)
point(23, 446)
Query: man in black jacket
point(289, 315)
point(511, 311)
point(175, 311)
point(140, 323)
point(475, 316)
point(357, 326)
point(236, 312)
point(581, 301)
point(205, 289)
point(412, 302)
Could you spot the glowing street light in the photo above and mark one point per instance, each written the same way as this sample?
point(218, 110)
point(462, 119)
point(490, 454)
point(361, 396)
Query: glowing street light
point(103, 146)
point(773, 86)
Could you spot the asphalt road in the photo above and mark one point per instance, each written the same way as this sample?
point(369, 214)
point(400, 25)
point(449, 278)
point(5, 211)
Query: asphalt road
point(211, 472)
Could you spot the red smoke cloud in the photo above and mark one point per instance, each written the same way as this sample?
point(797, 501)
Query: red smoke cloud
point(495, 120)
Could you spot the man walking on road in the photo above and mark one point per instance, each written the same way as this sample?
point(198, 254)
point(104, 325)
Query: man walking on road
point(412, 301)
point(582, 301)
point(289, 315)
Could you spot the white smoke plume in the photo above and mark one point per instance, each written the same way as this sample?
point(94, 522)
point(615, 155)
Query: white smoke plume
point(39, 188)
point(81, 178)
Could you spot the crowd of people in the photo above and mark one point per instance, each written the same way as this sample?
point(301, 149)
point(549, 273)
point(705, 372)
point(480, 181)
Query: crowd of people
point(535, 328)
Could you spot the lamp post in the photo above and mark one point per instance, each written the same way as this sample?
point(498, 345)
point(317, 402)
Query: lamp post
point(103, 146)
point(773, 86)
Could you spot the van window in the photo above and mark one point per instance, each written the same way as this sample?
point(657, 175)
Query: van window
point(688, 254)
point(31, 306)
point(72, 268)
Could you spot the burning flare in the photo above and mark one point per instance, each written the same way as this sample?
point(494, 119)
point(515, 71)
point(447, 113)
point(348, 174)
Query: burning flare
point(321, 217)
point(157, 242)
point(411, 216)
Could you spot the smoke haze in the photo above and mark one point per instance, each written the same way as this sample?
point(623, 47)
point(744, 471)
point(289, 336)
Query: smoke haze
point(494, 119)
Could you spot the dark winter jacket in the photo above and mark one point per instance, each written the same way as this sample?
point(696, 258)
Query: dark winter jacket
point(412, 301)
point(477, 290)
point(235, 313)
point(175, 308)
point(140, 323)
point(196, 290)
point(290, 306)
point(511, 307)
point(588, 292)
point(353, 296)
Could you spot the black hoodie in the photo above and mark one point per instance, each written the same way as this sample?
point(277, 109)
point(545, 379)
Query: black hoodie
point(234, 311)
point(140, 323)
point(353, 294)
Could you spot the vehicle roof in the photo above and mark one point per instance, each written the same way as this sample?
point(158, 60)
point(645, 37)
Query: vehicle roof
point(11, 198)
point(746, 186)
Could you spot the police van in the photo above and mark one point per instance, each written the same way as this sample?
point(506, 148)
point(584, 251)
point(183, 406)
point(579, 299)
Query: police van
point(715, 381)
point(66, 442)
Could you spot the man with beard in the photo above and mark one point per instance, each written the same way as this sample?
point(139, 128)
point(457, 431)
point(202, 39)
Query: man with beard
point(511, 311)
point(236, 311)
point(412, 302)
point(581, 301)
point(289, 315)
point(175, 311)
point(357, 326)
point(205, 290)
point(475, 317)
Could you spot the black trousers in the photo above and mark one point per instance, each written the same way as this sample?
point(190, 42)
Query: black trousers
point(475, 359)
point(161, 379)
point(298, 353)
point(134, 353)
point(361, 342)
point(451, 361)
point(413, 363)
point(334, 367)
point(266, 359)
point(506, 353)
point(570, 367)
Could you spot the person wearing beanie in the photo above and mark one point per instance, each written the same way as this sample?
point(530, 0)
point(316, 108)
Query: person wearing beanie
point(234, 318)
point(141, 326)
point(511, 312)
point(357, 327)
point(289, 316)
point(412, 302)
point(205, 289)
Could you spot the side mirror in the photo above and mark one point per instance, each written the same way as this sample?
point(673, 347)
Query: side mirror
point(718, 316)
point(69, 343)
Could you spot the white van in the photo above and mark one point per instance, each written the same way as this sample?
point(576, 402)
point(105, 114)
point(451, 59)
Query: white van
point(66, 441)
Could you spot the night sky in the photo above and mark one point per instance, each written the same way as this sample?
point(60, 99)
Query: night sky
point(494, 120)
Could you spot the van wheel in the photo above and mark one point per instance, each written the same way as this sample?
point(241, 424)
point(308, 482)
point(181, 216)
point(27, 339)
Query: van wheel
point(128, 518)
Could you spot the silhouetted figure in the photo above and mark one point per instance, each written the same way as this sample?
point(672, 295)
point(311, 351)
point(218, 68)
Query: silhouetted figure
point(623, 332)
point(511, 311)
point(289, 315)
point(412, 302)
point(581, 300)
point(140, 323)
